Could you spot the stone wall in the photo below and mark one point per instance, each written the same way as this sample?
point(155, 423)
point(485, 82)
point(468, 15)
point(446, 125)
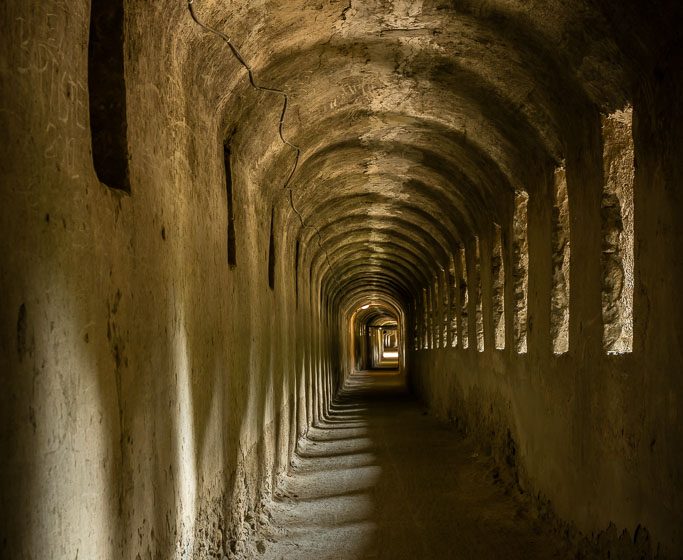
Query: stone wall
point(592, 434)
point(169, 330)
point(151, 393)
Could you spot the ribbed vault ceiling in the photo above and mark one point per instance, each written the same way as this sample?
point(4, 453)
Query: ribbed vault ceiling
point(417, 120)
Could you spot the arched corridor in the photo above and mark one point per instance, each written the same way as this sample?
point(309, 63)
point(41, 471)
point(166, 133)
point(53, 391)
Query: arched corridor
point(341, 279)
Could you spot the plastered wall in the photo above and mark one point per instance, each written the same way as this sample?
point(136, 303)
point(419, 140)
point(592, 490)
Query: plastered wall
point(150, 393)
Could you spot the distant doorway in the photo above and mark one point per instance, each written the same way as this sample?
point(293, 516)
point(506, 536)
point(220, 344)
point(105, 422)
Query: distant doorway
point(377, 339)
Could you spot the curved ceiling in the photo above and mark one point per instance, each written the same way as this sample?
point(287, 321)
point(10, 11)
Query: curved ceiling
point(417, 119)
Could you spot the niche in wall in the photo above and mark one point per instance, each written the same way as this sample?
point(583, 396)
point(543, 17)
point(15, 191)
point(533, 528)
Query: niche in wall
point(107, 94)
point(271, 251)
point(436, 321)
point(425, 320)
point(498, 276)
point(461, 265)
point(416, 326)
point(430, 316)
point(617, 213)
point(453, 304)
point(232, 244)
point(479, 313)
point(296, 272)
point(444, 308)
point(520, 274)
point(559, 306)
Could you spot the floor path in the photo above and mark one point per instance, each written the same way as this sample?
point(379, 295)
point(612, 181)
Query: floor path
point(380, 478)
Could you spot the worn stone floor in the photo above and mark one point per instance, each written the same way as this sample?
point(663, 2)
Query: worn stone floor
point(380, 478)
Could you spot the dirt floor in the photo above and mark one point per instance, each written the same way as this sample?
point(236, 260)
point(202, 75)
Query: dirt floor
point(380, 478)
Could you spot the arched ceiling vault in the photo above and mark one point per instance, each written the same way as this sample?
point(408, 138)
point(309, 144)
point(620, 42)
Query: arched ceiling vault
point(376, 273)
point(374, 311)
point(398, 268)
point(379, 310)
point(356, 297)
point(418, 262)
point(417, 120)
point(408, 226)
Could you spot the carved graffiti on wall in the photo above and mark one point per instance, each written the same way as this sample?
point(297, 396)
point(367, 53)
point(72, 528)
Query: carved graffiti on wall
point(60, 77)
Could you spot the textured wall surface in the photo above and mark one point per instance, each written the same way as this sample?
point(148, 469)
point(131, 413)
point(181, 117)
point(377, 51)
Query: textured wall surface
point(152, 391)
point(592, 433)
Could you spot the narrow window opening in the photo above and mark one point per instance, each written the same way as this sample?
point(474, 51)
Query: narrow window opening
point(520, 248)
point(418, 324)
point(425, 320)
point(559, 318)
point(444, 309)
point(232, 248)
point(617, 232)
point(479, 314)
point(453, 308)
point(461, 264)
point(271, 252)
point(107, 94)
point(430, 295)
point(498, 273)
point(436, 314)
point(296, 273)
point(416, 327)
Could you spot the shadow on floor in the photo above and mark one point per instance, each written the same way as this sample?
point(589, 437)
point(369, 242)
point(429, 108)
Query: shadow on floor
point(379, 478)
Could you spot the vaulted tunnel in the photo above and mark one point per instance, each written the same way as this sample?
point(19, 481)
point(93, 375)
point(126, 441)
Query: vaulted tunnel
point(276, 274)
